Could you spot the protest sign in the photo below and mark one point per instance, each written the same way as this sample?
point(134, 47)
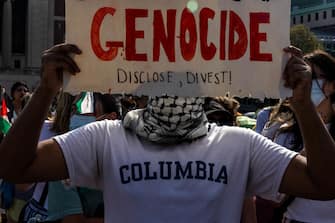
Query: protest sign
point(178, 47)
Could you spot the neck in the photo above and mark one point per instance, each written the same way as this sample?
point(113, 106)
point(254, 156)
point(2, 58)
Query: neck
point(17, 106)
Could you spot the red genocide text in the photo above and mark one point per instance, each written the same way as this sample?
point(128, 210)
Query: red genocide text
point(190, 35)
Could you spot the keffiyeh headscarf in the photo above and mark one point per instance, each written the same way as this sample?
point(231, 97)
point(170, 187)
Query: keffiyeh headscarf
point(169, 120)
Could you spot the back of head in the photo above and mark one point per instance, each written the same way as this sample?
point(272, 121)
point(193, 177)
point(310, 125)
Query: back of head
point(221, 110)
point(111, 104)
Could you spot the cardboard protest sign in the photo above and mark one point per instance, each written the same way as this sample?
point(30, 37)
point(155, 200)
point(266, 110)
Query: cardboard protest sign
point(179, 47)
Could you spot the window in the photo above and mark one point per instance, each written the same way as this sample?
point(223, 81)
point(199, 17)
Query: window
point(308, 17)
point(333, 13)
point(324, 14)
point(19, 26)
point(1, 11)
point(59, 22)
point(59, 31)
point(17, 64)
point(301, 19)
point(60, 8)
point(316, 16)
point(294, 22)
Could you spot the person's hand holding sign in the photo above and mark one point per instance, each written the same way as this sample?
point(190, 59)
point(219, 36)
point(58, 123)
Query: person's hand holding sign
point(55, 61)
point(298, 76)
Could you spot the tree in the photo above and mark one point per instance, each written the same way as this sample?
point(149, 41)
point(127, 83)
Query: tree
point(304, 39)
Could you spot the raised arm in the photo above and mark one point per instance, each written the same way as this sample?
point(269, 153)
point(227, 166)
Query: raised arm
point(22, 158)
point(312, 177)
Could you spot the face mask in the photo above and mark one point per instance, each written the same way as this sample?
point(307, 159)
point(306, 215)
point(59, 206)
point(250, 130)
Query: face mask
point(317, 94)
point(77, 121)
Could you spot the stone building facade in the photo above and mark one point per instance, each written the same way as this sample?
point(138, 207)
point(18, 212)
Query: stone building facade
point(27, 28)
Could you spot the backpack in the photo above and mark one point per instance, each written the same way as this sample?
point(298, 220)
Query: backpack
point(34, 210)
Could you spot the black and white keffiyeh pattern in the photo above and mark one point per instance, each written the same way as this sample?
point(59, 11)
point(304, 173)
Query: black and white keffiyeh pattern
point(169, 120)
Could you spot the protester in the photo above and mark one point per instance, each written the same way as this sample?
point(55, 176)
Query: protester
point(282, 128)
point(322, 94)
point(176, 170)
point(18, 91)
point(64, 203)
point(223, 111)
point(79, 204)
point(17, 194)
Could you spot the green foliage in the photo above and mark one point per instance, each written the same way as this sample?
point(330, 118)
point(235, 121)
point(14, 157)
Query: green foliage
point(304, 39)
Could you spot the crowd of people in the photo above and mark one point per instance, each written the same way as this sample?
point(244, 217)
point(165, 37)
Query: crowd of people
point(96, 157)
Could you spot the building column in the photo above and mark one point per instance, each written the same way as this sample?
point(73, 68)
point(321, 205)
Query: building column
point(6, 43)
point(37, 32)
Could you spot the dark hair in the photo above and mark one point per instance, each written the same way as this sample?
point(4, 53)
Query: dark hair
point(224, 107)
point(63, 113)
point(111, 104)
point(324, 61)
point(15, 86)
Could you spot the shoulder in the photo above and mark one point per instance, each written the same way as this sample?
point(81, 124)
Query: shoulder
point(96, 131)
point(246, 138)
point(265, 112)
point(103, 125)
point(238, 134)
point(112, 129)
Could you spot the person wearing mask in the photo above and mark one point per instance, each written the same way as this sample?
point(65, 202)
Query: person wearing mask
point(171, 167)
point(322, 96)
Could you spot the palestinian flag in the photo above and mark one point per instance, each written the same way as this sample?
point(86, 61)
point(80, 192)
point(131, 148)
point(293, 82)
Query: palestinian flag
point(85, 104)
point(4, 122)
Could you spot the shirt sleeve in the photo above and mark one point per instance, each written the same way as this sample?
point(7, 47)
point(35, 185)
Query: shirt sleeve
point(268, 163)
point(83, 152)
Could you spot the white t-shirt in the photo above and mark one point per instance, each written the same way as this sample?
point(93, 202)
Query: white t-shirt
point(202, 181)
point(311, 211)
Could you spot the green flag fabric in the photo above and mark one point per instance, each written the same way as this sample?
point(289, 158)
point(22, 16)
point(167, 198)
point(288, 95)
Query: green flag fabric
point(85, 104)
